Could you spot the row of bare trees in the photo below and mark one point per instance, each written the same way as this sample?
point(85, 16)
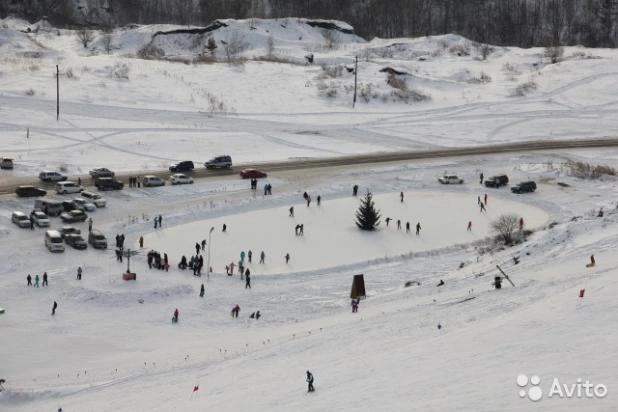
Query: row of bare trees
point(522, 23)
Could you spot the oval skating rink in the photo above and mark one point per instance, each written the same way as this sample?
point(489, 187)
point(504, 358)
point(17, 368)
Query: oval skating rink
point(332, 239)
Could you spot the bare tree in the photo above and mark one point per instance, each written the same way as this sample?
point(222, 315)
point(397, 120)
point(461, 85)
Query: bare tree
point(554, 53)
point(330, 38)
point(505, 226)
point(233, 46)
point(483, 50)
point(85, 36)
point(107, 42)
point(270, 46)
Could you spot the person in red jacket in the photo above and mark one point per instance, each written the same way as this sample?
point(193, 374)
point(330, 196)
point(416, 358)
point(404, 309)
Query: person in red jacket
point(469, 225)
point(175, 318)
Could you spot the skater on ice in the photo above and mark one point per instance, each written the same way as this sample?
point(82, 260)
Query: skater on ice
point(418, 228)
point(54, 308)
point(287, 257)
point(292, 211)
point(262, 257)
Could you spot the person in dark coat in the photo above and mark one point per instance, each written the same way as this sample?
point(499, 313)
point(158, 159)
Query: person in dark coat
point(29, 279)
point(118, 255)
point(224, 227)
point(292, 211)
point(54, 308)
point(247, 280)
point(249, 254)
point(310, 382)
point(407, 227)
point(319, 200)
point(257, 315)
point(79, 273)
point(160, 221)
point(45, 279)
point(204, 244)
point(481, 182)
point(122, 241)
point(31, 222)
point(388, 220)
point(418, 228)
point(355, 190)
point(401, 195)
point(197, 248)
point(183, 263)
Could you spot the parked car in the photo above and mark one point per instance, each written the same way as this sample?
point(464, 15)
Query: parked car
point(30, 191)
point(497, 181)
point(54, 241)
point(180, 179)
point(83, 204)
point(68, 205)
point(41, 219)
point(6, 163)
point(101, 172)
point(150, 180)
point(20, 219)
point(76, 241)
point(186, 165)
point(252, 174)
point(223, 161)
point(69, 230)
point(97, 239)
point(94, 198)
point(74, 216)
point(450, 180)
point(108, 183)
point(68, 187)
point(524, 187)
point(52, 177)
point(48, 206)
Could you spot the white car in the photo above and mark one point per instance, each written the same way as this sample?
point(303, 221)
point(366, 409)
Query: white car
point(52, 176)
point(68, 187)
point(151, 180)
point(102, 172)
point(83, 204)
point(180, 179)
point(450, 179)
point(94, 198)
point(41, 219)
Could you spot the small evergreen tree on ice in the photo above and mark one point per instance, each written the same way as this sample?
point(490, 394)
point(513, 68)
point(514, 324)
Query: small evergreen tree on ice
point(367, 216)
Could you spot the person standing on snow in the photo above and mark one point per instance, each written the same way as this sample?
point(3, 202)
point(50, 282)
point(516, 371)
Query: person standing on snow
point(401, 195)
point(242, 256)
point(224, 227)
point(141, 241)
point(29, 279)
point(160, 221)
point(79, 273)
point(204, 244)
point(398, 224)
point(31, 222)
point(296, 230)
point(265, 189)
point(247, 281)
point(418, 228)
point(175, 318)
point(483, 207)
point(202, 291)
point(197, 248)
point(310, 382)
point(302, 229)
point(249, 254)
point(232, 268)
point(485, 199)
point(481, 182)
point(262, 257)
point(388, 220)
point(319, 200)
point(308, 200)
point(478, 202)
point(287, 257)
point(470, 226)
point(45, 279)
point(90, 225)
point(355, 190)
point(156, 221)
point(407, 227)
point(521, 223)
point(292, 211)
point(54, 308)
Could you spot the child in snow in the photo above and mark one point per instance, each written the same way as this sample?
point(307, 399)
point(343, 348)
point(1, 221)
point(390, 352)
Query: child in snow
point(469, 226)
point(175, 318)
point(36, 281)
point(202, 291)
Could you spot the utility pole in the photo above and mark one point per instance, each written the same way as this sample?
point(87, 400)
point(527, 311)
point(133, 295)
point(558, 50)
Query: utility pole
point(57, 93)
point(209, 243)
point(355, 77)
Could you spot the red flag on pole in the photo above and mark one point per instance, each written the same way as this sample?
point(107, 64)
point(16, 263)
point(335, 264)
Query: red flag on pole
point(196, 388)
point(582, 292)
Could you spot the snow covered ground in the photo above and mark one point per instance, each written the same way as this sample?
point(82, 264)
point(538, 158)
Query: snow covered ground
point(111, 346)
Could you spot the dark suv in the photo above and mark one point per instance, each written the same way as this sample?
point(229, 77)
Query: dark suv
point(497, 181)
point(524, 187)
point(108, 183)
point(185, 166)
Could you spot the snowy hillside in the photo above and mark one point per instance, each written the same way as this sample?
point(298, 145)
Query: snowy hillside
point(413, 345)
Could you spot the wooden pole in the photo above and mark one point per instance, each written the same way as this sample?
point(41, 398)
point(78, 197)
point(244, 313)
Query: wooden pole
point(355, 77)
point(505, 275)
point(57, 93)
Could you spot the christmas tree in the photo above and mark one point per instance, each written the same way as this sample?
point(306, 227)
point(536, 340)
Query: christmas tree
point(367, 216)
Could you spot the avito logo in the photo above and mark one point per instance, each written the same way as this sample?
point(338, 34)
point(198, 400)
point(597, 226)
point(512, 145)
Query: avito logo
point(581, 389)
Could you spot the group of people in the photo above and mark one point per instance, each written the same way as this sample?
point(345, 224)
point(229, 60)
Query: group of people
point(157, 261)
point(196, 263)
point(418, 225)
point(307, 198)
point(268, 188)
point(158, 221)
point(135, 181)
point(36, 280)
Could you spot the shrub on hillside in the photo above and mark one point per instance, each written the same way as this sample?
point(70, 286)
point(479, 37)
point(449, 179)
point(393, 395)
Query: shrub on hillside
point(149, 51)
point(505, 226)
point(587, 171)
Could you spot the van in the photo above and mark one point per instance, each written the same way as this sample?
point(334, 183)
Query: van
point(68, 187)
point(6, 163)
point(54, 241)
point(94, 198)
point(49, 206)
point(20, 219)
